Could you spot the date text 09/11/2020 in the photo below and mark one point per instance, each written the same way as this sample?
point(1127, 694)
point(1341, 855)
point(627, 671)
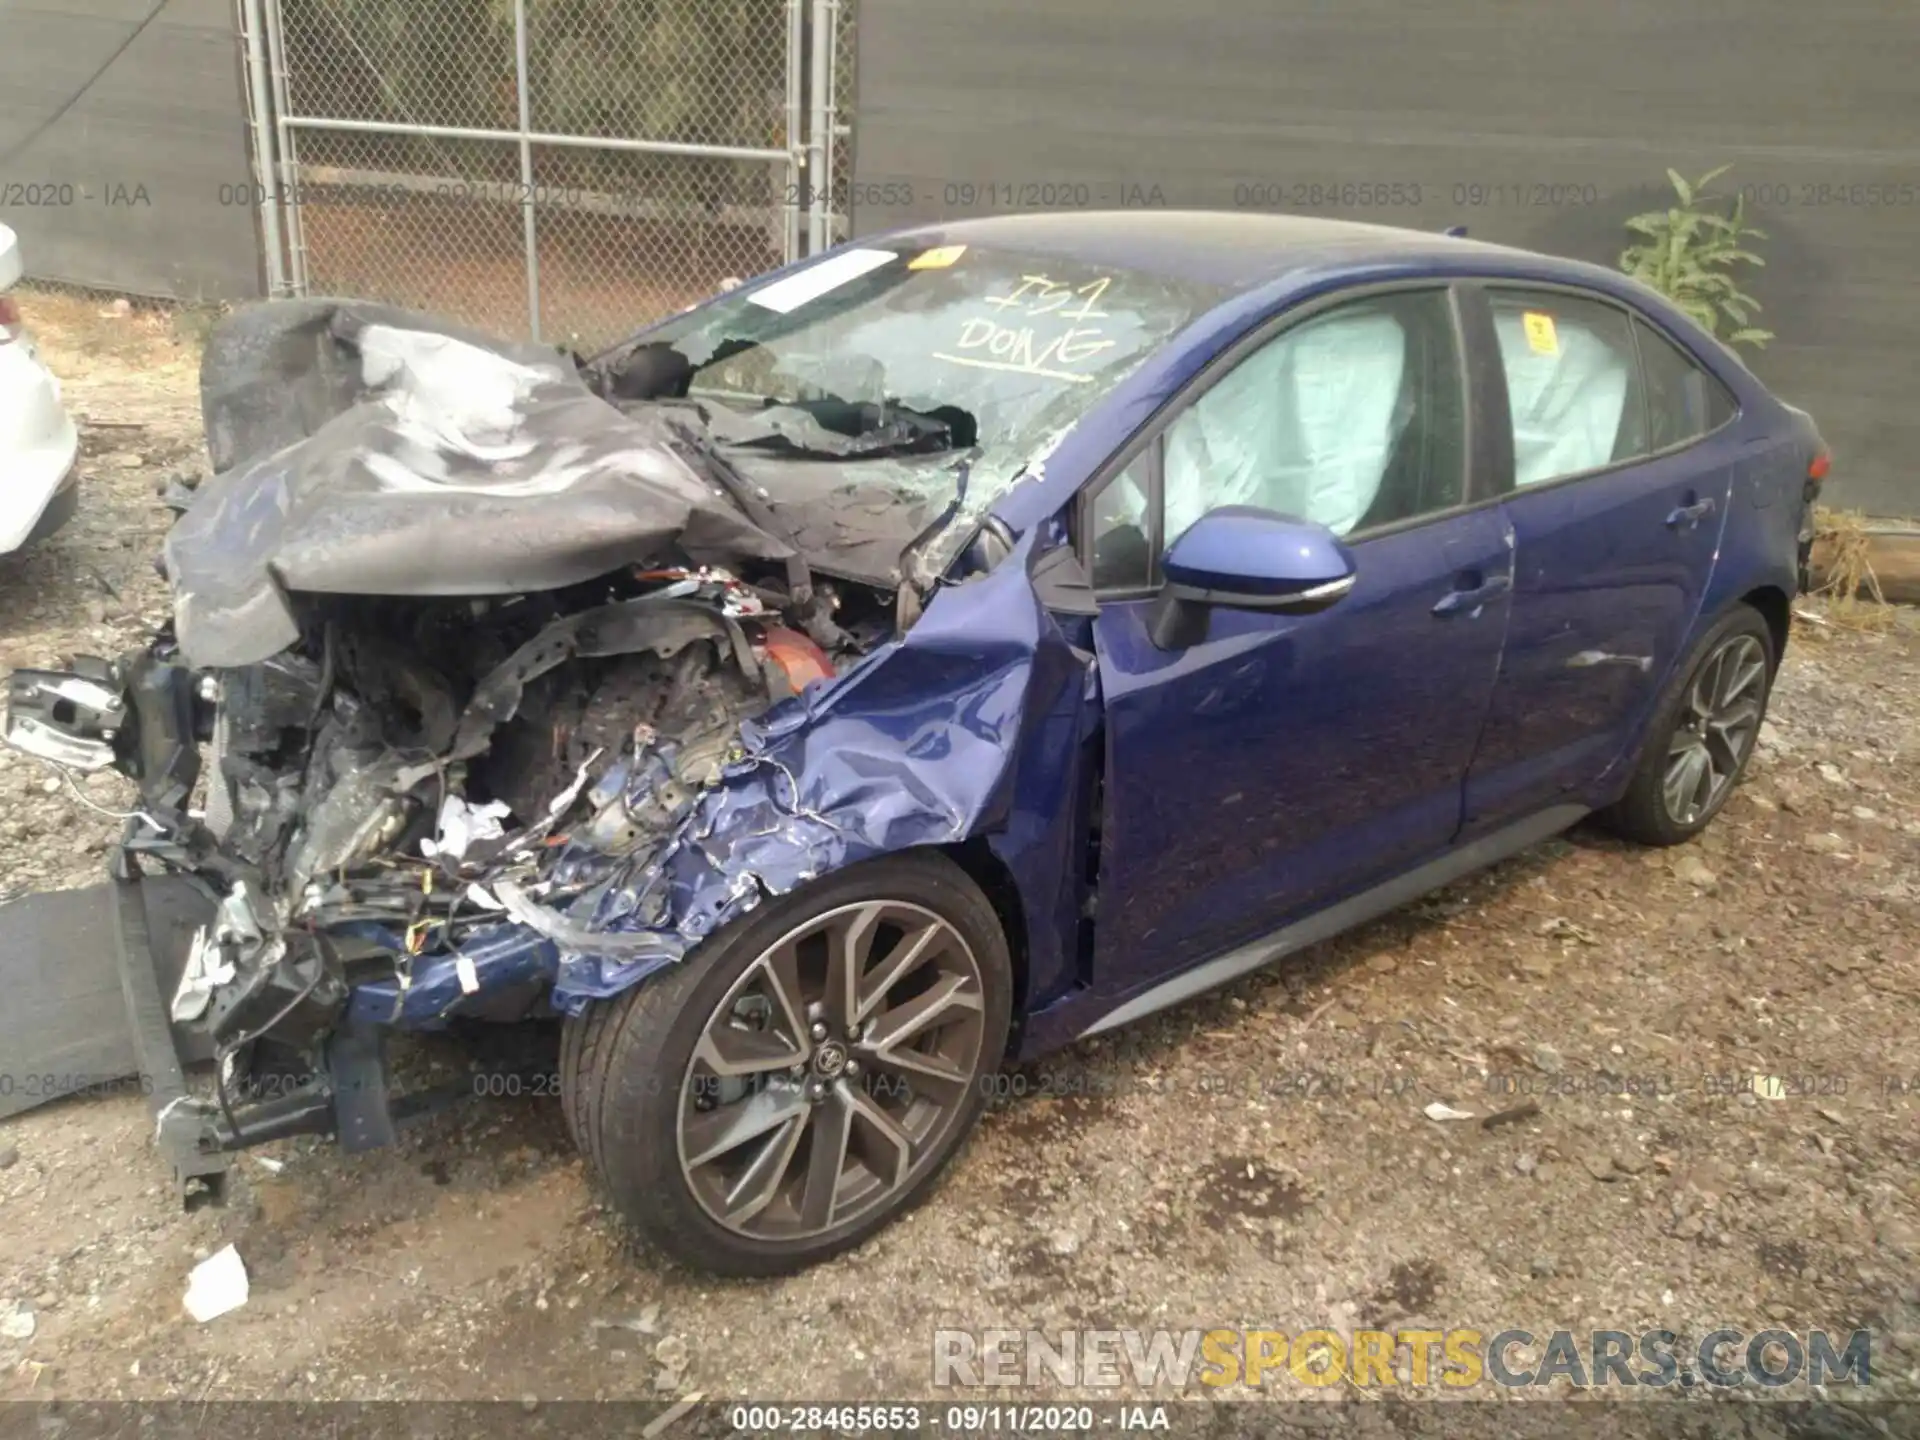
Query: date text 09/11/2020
point(962, 1419)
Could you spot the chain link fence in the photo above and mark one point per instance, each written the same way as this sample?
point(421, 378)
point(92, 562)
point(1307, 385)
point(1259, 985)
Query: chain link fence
point(841, 82)
point(566, 169)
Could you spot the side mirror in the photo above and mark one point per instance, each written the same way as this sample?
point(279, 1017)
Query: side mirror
point(1246, 558)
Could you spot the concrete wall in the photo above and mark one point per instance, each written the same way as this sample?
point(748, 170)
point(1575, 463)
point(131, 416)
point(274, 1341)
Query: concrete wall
point(1532, 124)
point(143, 185)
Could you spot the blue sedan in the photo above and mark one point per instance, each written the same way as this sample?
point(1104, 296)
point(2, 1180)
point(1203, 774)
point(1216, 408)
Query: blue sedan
point(967, 641)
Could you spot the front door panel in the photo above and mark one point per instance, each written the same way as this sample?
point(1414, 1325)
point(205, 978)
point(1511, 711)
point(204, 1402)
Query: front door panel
point(1288, 760)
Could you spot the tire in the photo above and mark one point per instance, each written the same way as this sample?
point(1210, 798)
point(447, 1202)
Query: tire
point(653, 1084)
point(1647, 811)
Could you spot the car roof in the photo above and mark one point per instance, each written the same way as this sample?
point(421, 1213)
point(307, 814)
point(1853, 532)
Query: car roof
point(1235, 250)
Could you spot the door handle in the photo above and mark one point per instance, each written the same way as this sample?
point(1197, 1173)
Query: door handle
point(1470, 597)
point(1690, 515)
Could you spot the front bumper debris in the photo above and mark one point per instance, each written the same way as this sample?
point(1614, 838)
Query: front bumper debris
point(348, 1097)
point(354, 882)
point(269, 1007)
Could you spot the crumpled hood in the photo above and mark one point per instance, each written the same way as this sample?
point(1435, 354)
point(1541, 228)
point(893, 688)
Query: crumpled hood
point(361, 449)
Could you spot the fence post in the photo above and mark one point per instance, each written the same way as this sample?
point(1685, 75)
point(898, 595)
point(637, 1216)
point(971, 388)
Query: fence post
point(818, 180)
point(837, 129)
point(530, 227)
point(260, 115)
point(291, 214)
point(796, 130)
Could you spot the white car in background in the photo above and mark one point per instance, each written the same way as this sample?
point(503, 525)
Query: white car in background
point(39, 483)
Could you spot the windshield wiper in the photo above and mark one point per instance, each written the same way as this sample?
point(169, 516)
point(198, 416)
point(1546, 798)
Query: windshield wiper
point(749, 498)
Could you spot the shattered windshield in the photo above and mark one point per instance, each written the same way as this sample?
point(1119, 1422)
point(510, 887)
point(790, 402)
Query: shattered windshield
point(877, 351)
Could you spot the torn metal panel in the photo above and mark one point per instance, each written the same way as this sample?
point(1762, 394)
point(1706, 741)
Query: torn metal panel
point(507, 961)
point(854, 520)
point(366, 451)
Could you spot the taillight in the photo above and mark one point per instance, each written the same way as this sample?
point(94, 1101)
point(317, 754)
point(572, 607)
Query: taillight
point(10, 323)
point(1817, 473)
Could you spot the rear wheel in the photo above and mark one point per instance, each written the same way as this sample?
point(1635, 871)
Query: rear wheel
point(804, 1077)
point(1699, 744)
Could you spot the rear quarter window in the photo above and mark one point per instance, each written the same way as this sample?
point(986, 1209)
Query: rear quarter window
point(1684, 401)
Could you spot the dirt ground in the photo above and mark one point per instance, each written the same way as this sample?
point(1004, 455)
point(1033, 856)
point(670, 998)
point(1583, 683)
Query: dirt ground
point(1261, 1157)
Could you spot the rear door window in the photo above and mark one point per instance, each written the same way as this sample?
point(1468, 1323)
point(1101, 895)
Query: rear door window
point(1573, 383)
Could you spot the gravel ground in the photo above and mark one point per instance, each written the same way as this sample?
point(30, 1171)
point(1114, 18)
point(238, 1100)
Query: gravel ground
point(1261, 1157)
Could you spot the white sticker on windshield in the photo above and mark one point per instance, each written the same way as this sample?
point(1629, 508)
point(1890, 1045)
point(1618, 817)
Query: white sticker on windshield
point(816, 280)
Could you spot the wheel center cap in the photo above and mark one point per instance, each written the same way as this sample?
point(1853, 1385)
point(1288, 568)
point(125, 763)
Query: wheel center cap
point(830, 1060)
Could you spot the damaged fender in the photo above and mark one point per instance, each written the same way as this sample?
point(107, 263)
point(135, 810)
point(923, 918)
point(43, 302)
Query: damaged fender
point(923, 743)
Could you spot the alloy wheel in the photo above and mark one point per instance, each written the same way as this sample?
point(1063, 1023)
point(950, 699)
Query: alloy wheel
point(835, 1066)
point(1718, 722)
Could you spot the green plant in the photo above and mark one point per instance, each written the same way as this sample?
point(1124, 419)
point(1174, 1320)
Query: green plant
point(1688, 251)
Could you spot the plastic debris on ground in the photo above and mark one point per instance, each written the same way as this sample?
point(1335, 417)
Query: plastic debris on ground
point(217, 1286)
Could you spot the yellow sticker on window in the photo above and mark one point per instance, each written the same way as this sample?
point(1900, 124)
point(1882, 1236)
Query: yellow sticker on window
point(1541, 336)
point(938, 258)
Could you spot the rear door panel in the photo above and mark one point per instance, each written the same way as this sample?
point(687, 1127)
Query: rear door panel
point(1605, 593)
point(1611, 563)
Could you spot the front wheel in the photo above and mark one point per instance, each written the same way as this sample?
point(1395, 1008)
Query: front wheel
point(1699, 743)
point(802, 1079)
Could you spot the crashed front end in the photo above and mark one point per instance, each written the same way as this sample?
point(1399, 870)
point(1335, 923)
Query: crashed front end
point(484, 698)
point(396, 818)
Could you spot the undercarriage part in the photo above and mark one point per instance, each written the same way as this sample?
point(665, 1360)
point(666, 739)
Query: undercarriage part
point(63, 1027)
point(357, 1066)
point(293, 982)
point(347, 1093)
